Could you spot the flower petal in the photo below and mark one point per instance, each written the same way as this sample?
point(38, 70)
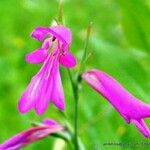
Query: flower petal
point(49, 122)
point(58, 93)
point(52, 88)
point(129, 107)
point(33, 91)
point(67, 59)
point(29, 136)
point(39, 33)
point(30, 95)
point(60, 32)
point(46, 90)
point(46, 44)
point(37, 56)
point(63, 32)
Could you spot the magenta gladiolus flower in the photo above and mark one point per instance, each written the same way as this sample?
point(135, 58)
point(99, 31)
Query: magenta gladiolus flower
point(130, 108)
point(31, 135)
point(46, 85)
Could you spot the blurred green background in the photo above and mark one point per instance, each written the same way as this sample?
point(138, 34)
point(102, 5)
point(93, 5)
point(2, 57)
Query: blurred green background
point(120, 45)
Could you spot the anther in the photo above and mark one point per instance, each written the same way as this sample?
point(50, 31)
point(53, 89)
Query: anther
point(53, 39)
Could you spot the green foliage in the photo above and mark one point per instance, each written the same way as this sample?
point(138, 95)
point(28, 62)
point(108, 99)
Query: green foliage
point(119, 43)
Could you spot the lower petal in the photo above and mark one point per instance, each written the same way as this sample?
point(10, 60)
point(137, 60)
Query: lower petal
point(48, 85)
point(67, 59)
point(37, 56)
point(58, 93)
point(30, 95)
point(42, 102)
point(33, 91)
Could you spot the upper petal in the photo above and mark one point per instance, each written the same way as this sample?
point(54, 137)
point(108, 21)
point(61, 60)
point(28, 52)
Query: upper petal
point(63, 32)
point(60, 32)
point(39, 33)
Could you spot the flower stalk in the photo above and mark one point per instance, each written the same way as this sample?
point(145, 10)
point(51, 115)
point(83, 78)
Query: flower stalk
point(75, 83)
point(60, 12)
point(75, 86)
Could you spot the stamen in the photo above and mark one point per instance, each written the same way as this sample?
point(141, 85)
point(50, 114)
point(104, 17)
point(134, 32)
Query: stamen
point(53, 45)
point(53, 39)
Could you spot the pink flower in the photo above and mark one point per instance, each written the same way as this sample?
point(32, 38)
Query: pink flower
point(46, 85)
point(130, 108)
point(31, 135)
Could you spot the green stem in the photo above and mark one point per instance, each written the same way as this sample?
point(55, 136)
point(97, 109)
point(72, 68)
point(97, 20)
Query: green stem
point(76, 97)
point(75, 87)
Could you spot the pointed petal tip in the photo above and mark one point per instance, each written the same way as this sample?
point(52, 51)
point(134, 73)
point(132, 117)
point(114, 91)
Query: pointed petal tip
point(36, 37)
point(22, 109)
point(142, 127)
point(38, 34)
point(60, 106)
point(39, 112)
point(23, 106)
point(40, 107)
point(50, 122)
